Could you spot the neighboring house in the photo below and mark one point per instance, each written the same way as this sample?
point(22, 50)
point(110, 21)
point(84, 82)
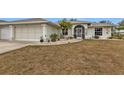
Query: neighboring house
point(34, 29)
point(119, 31)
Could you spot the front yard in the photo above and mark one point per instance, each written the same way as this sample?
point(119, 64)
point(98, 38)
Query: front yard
point(85, 57)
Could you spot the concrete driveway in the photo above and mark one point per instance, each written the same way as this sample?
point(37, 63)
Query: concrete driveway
point(6, 46)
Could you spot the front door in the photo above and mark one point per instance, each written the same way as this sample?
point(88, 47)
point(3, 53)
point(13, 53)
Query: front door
point(79, 32)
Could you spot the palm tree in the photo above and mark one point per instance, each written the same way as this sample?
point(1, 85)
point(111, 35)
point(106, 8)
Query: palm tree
point(65, 26)
point(73, 19)
point(121, 23)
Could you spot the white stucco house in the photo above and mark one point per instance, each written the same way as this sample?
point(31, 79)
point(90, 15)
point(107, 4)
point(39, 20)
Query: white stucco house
point(34, 29)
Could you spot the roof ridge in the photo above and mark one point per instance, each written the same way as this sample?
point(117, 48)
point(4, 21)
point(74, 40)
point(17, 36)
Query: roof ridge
point(30, 19)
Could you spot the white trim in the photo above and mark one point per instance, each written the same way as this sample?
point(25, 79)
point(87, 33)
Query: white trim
point(27, 39)
point(44, 31)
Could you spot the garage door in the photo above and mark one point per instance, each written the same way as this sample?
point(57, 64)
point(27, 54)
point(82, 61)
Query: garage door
point(28, 32)
point(5, 33)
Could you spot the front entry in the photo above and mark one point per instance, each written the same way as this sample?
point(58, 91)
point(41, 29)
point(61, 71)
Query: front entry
point(79, 32)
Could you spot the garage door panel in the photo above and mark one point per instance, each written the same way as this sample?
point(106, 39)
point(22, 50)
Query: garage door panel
point(28, 32)
point(5, 33)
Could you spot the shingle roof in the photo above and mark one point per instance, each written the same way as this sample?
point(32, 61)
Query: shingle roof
point(41, 20)
point(31, 19)
point(28, 21)
point(79, 22)
point(100, 24)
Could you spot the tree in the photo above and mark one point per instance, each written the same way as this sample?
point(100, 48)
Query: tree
point(121, 23)
point(106, 21)
point(73, 19)
point(64, 19)
point(65, 26)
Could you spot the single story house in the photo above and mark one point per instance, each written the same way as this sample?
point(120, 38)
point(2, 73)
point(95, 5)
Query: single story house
point(35, 28)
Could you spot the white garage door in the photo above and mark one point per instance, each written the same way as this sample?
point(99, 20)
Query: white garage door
point(5, 33)
point(28, 32)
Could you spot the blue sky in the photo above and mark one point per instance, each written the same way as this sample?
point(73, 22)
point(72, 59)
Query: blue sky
point(114, 20)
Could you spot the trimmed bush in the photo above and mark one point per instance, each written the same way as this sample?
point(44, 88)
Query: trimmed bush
point(110, 37)
point(120, 37)
point(117, 36)
point(53, 37)
point(70, 37)
point(96, 37)
point(41, 39)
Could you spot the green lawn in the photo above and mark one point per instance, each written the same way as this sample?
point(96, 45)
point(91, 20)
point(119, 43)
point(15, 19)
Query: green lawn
point(86, 57)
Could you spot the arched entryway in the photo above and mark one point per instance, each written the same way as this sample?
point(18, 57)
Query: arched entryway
point(79, 32)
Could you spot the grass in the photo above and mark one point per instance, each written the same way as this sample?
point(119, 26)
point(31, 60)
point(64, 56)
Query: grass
point(86, 57)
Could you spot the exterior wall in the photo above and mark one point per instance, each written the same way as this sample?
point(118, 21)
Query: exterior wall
point(44, 29)
point(89, 33)
point(12, 32)
point(52, 30)
point(106, 33)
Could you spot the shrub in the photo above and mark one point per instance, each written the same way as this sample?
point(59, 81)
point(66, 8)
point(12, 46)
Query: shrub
point(41, 39)
point(123, 37)
point(117, 36)
point(110, 37)
point(96, 37)
point(53, 37)
point(120, 37)
point(48, 40)
point(70, 37)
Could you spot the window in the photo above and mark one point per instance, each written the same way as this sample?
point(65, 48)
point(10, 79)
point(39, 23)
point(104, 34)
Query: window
point(98, 31)
point(65, 32)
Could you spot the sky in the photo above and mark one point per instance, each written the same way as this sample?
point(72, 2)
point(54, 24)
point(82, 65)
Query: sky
point(114, 20)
